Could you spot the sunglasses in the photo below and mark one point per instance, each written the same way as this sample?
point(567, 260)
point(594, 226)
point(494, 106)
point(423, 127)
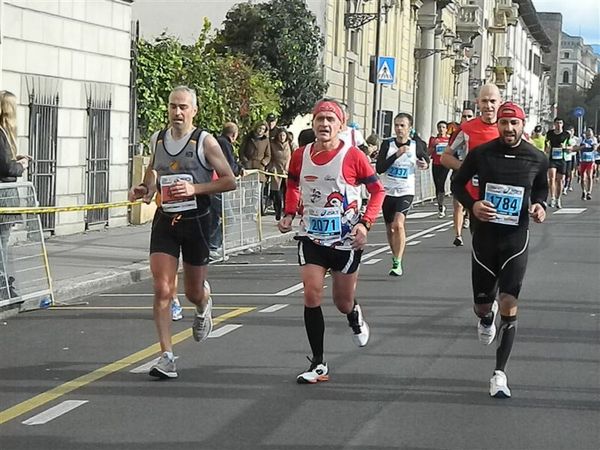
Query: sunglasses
point(467, 117)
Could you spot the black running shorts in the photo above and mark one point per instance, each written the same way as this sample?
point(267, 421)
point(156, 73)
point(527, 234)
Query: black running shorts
point(177, 233)
point(498, 263)
point(344, 261)
point(558, 164)
point(393, 205)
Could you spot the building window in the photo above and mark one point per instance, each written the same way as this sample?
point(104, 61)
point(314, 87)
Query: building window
point(565, 79)
point(567, 55)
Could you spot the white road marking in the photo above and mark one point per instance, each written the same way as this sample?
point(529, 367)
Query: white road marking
point(221, 331)
point(145, 368)
point(411, 243)
point(371, 261)
point(288, 291)
point(54, 412)
point(384, 248)
point(570, 211)
point(421, 215)
point(274, 308)
point(427, 236)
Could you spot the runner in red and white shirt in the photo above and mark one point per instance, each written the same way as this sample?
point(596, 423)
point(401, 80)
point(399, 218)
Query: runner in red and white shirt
point(323, 186)
point(472, 134)
point(437, 146)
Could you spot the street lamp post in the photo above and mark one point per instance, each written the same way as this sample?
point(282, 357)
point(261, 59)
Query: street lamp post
point(355, 20)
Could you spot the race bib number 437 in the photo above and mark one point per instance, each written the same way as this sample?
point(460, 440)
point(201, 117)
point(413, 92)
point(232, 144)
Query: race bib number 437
point(507, 201)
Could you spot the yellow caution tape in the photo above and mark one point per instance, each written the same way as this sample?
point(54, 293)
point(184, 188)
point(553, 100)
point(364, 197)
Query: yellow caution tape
point(54, 209)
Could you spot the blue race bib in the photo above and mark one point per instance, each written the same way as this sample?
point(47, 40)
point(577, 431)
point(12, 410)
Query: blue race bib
point(398, 172)
point(557, 153)
point(439, 149)
point(587, 156)
point(507, 200)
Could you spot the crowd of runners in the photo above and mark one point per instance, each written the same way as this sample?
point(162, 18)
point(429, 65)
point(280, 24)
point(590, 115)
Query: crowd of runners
point(499, 182)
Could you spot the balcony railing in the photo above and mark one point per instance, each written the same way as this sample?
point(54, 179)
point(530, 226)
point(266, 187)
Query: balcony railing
point(470, 19)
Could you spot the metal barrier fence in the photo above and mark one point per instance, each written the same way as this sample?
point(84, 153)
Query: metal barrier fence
point(241, 225)
point(25, 281)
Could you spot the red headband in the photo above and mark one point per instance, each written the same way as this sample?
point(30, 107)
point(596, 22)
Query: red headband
point(327, 106)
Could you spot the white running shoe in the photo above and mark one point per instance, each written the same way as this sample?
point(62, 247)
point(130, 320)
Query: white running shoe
point(499, 385)
point(164, 368)
point(552, 202)
point(558, 203)
point(176, 310)
point(360, 328)
point(315, 373)
point(487, 334)
point(441, 212)
point(466, 223)
point(203, 323)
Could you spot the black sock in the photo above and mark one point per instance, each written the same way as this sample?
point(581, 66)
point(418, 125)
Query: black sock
point(352, 316)
point(488, 319)
point(315, 330)
point(506, 337)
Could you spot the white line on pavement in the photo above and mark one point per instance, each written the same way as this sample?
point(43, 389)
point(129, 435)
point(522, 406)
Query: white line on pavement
point(273, 308)
point(411, 243)
point(223, 330)
point(145, 368)
point(371, 261)
point(369, 255)
point(54, 412)
point(570, 211)
point(420, 215)
point(427, 236)
point(252, 265)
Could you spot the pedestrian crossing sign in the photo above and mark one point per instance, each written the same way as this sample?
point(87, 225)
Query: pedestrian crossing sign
point(386, 70)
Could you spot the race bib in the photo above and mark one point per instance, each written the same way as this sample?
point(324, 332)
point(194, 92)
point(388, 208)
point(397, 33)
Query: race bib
point(557, 153)
point(398, 172)
point(324, 223)
point(568, 156)
point(439, 148)
point(170, 204)
point(587, 156)
point(507, 201)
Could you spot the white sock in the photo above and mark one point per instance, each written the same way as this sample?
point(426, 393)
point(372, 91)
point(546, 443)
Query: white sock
point(169, 355)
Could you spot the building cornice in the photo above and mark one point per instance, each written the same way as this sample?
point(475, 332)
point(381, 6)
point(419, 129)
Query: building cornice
point(530, 18)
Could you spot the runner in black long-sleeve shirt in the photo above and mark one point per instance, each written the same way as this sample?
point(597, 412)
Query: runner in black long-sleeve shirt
point(512, 187)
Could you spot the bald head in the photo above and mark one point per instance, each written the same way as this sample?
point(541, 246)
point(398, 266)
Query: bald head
point(489, 101)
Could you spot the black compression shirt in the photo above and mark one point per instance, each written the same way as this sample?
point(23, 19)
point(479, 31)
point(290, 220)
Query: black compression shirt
point(495, 162)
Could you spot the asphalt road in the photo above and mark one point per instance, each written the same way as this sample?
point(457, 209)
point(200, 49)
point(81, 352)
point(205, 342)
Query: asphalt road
point(73, 378)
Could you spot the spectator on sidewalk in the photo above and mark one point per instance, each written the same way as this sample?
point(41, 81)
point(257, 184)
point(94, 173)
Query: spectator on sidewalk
point(272, 128)
point(280, 161)
point(11, 167)
point(181, 172)
point(255, 152)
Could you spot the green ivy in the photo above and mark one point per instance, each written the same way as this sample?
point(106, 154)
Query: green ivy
point(229, 88)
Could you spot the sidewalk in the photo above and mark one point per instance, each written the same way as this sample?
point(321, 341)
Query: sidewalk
point(90, 262)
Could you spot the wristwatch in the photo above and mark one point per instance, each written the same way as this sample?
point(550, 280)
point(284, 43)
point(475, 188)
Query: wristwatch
point(366, 224)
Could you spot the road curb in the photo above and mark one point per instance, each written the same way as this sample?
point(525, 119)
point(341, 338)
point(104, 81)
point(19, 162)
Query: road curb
point(108, 279)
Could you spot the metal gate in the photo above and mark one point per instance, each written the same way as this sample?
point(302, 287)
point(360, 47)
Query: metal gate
point(43, 129)
point(98, 159)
